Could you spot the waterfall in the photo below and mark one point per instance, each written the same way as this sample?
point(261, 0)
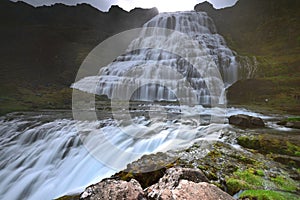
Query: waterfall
point(177, 57)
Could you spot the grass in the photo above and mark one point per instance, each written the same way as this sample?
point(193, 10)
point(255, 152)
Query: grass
point(255, 179)
point(293, 119)
point(267, 195)
point(17, 98)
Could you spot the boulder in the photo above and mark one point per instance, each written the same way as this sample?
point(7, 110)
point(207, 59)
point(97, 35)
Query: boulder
point(195, 191)
point(293, 125)
point(185, 183)
point(114, 189)
point(246, 121)
point(288, 124)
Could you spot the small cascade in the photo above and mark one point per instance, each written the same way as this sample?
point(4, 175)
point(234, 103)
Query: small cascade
point(247, 66)
point(177, 57)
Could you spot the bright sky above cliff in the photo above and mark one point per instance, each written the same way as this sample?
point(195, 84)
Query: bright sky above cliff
point(161, 5)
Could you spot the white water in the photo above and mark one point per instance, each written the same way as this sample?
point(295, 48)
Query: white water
point(178, 56)
point(45, 160)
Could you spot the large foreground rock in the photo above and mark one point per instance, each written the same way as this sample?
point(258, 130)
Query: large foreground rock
point(114, 189)
point(185, 183)
point(177, 184)
point(246, 121)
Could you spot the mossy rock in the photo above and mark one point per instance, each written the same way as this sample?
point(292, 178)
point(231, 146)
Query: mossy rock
point(235, 185)
point(148, 169)
point(275, 144)
point(285, 183)
point(145, 179)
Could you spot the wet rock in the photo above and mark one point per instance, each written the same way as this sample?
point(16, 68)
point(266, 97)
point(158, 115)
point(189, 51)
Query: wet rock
point(293, 125)
point(246, 121)
point(292, 161)
point(185, 183)
point(114, 189)
point(290, 123)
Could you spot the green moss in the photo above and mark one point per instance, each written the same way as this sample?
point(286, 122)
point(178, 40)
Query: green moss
point(235, 185)
point(293, 149)
point(267, 195)
point(285, 183)
point(19, 98)
point(259, 172)
point(67, 197)
point(268, 144)
point(214, 154)
point(247, 179)
point(248, 142)
point(145, 179)
point(202, 167)
point(255, 179)
point(293, 119)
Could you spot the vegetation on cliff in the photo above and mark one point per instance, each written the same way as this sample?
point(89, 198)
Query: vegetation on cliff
point(42, 49)
point(270, 31)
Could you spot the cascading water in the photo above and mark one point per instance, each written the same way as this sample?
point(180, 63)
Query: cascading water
point(158, 51)
point(42, 158)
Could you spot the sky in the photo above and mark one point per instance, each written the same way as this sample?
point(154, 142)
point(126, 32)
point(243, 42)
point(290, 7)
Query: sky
point(161, 5)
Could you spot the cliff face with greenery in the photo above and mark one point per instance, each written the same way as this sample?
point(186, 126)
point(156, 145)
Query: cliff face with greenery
point(270, 31)
point(42, 49)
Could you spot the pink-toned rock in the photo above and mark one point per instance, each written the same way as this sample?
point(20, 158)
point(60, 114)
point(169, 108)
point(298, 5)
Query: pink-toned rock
point(115, 190)
point(177, 184)
point(195, 191)
point(185, 183)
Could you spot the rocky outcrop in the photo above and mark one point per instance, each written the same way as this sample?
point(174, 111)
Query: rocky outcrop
point(194, 191)
point(185, 183)
point(114, 189)
point(172, 179)
point(246, 121)
point(295, 124)
point(177, 183)
point(282, 148)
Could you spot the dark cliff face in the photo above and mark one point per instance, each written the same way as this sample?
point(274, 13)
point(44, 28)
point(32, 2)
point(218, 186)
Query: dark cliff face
point(42, 49)
point(258, 27)
point(270, 31)
point(46, 45)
